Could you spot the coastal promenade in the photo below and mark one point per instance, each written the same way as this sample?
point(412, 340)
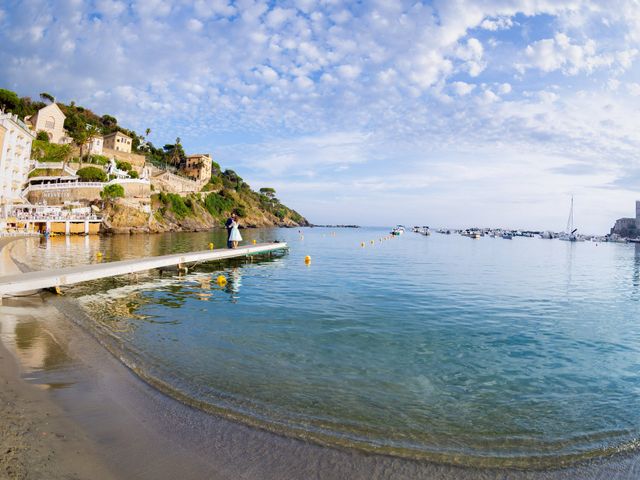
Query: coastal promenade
point(33, 281)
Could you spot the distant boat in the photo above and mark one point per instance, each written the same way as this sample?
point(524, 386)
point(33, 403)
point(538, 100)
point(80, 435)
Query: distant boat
point(424, 230)
point(507, 236)
point(398, 230)
point(570, 232)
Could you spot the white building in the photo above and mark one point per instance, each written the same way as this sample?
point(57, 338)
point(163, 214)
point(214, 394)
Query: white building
point(95, 145)
point(50, 119)
point(15, 156)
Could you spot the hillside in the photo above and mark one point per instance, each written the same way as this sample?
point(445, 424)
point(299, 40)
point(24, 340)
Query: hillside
point(225, 193)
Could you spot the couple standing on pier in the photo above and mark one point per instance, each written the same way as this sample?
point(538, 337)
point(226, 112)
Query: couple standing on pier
point(233, 234)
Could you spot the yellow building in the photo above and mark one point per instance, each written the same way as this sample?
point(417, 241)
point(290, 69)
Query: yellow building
point(198, 167)
point(117, 141)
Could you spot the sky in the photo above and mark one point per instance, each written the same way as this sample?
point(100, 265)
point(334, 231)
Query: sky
point(451, 113)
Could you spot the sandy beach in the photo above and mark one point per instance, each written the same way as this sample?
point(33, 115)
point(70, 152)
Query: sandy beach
point(70, 409)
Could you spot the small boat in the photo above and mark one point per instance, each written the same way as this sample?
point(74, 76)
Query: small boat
point(398, 230)
point(507, 236)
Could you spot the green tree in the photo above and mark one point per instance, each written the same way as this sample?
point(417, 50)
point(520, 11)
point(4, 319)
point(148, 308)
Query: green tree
point(92, 174)
point(109, 122)
point(42, 136)
point(111, 192)
point(47, 97)
point(269, 192)
point(9, 100)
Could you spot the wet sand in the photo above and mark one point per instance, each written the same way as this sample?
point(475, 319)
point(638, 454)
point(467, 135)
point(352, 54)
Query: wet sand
point(70, 409)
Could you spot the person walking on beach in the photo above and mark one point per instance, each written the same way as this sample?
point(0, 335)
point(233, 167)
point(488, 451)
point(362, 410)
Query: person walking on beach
point(229, 226)
point(235, 236)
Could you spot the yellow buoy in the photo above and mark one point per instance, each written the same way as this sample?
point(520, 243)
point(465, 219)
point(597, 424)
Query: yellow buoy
point(307, 259)
point(254, 242)
point(372, 242)
point(362, 244)
point(210, 246)
point(221, 280)
point(99, 255)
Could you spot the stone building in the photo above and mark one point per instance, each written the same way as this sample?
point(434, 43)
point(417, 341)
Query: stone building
point(197, 167)
point(628, 227)
point(15, 154)
point(50, 119)
point(117, 141)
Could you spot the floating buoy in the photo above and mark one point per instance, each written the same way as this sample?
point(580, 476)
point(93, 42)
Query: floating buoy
point(221, 280)
point(210, 246)
point(307, 259)
point(254, 242)
point(372, 242)
point(99, 255)
point(362, 244)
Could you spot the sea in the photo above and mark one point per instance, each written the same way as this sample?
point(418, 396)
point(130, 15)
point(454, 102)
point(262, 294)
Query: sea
point(479, 352)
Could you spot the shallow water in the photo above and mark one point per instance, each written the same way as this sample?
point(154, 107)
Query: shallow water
point(486, 351)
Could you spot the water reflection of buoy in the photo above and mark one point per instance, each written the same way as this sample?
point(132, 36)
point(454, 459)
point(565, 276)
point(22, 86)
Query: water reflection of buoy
point(221, 280)
point(210, 246)
point(307, 259)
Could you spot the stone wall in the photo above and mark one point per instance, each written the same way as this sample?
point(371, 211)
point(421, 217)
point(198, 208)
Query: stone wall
point(58, 195)
point(137, 161)
point(171, 183)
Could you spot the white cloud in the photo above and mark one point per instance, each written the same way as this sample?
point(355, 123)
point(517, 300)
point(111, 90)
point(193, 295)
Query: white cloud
point(504, 88)
point(633, 89)
point(194, 25)
point(500, 23)
point(348, 72)
point(462, 88)
point(559, 53)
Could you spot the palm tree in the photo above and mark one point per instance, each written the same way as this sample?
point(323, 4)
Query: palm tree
point(92, 132)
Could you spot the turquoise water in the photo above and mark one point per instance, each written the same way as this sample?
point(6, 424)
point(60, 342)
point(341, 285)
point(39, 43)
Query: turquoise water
point(488, 351)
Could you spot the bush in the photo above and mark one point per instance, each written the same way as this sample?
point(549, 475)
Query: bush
point(45, 172)
point(98, 159)
point(92, 174)
point(42, 136)
point(176, 203)
point(49, 152)
point(216, 204)
point(241, 211)
point(112, 191)
point(126, 166)
point(133, 174)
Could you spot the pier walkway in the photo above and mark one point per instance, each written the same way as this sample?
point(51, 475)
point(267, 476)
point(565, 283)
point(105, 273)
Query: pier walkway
point(30, 281)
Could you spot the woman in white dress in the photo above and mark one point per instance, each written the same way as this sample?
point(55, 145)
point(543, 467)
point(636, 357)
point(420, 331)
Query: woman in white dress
point(235, 236)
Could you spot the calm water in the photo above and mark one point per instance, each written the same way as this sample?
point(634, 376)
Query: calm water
point(489, 351)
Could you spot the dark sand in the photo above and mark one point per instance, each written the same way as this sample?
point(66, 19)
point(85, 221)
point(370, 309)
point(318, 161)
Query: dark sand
point(70, 410)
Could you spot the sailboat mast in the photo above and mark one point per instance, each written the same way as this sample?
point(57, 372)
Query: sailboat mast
point(570, 220)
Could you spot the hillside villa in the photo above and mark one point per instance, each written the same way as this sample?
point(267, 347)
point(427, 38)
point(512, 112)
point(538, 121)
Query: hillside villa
point(51, 197)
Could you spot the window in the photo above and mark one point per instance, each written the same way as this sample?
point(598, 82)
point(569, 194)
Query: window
point(50, 122)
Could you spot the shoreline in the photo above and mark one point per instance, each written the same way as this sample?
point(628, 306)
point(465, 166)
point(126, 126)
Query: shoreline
point(126, 428)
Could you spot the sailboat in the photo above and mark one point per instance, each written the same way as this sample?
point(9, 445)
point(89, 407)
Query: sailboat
point(570, 232)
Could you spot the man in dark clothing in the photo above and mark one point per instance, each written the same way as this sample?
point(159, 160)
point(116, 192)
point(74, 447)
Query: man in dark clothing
point(229, 225)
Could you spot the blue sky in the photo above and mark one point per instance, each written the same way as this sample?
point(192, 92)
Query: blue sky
point(452, 112)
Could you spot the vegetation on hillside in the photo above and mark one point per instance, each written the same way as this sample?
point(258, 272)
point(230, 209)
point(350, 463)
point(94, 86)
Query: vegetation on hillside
point(225, 193)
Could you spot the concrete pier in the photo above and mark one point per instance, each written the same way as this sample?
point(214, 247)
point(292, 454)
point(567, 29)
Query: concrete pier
point(30, 281)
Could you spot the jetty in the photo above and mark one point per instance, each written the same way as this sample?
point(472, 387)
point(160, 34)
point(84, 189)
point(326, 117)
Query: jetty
point(33, 281)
